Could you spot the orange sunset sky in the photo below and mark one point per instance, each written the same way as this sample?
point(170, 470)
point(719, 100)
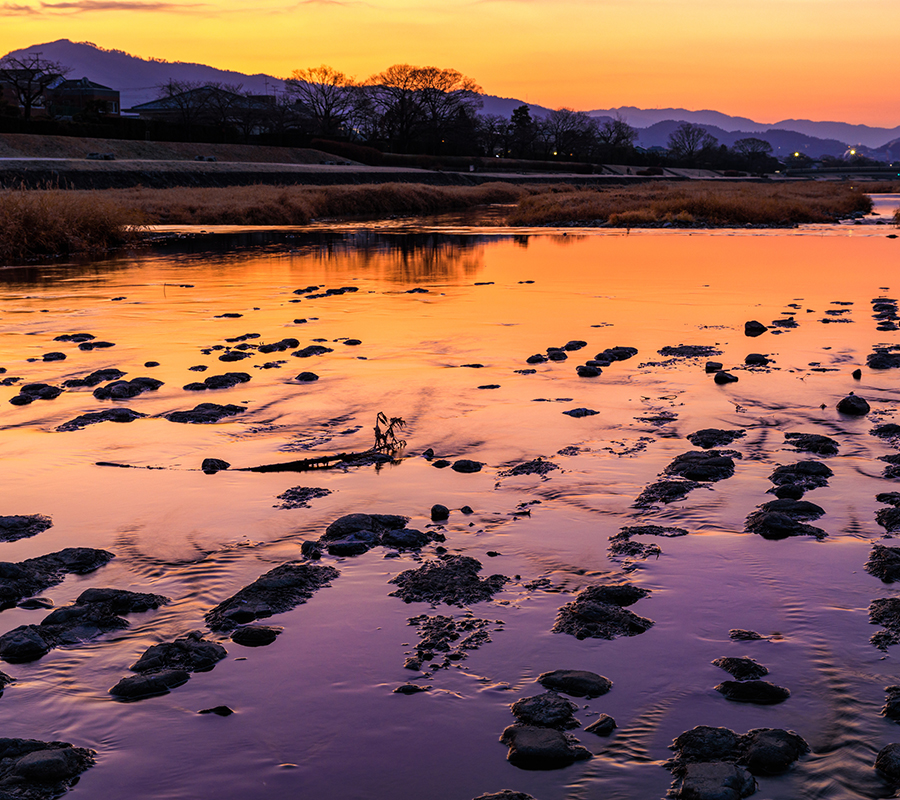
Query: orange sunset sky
point(764, 59)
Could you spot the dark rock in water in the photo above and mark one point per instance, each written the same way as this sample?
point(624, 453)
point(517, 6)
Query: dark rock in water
point(891, 498)
point(604, 725)
point(96, 611)
point(813, 443)
point(599, 612)
point(796, 509)
point(853, 405)
point(756, 360)
point(466, 465)
point(213, 465)
point(190, 653)
point(454, 639)
point(740, 635)
point(307, 377)
point(312, 350)
point(505, 794)
point(34, 603)
point(531, 747)
point(617, 354)
point(885, 612)
point(537, 358)
point(574, 344)
point(893, 471)
point(580, 412)
point(754, 328)
point(440, 463)
point(713, 780)
point(806, 474)
point(489, 386)
point(689, 351)
point(255, 635)
point(883, 359)
point(787, 322)
point(137, 687)
point(891, 708)
point(725, 377)
point(741, 668)
point(788, 492)
point(5, 680)
point(150, 364)
point(664, 492)
point(94, 417)
point(714, 437)
point(13, 528)
point(88, 346)
point(121, 390)
point(280, 589)
point(889, 519)
point(354, 534)
point(547, 710)
point(30, 392)
point(74, 337)
point(452, 579)
point(54, 357)
point(279, 347)
point(587, 372)
point(887, 762)
point(300, 496)
point(439, 513)
point(35, 770)
point(408, 539)
point(890, 430)
point(537, 466)
point(225, 381)
point(234, 355)
point(32, 576)
point(713, 366)
point(205, 413)
point(856, 374)
point(770, 751)
point(95, 378)
point(557, 355)
point(761, 693)
point(763, 751)
point(410, 688)
point(219, 711)
point(711, 465)
point(575, 682)
point(776, 525)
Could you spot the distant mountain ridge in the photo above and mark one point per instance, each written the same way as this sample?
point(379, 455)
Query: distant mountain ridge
point(137, 80)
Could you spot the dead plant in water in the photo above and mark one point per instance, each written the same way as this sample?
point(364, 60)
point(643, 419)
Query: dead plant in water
point(57, 222)
point(386, 440)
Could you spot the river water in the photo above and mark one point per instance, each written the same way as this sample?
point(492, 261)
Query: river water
point(315, 712)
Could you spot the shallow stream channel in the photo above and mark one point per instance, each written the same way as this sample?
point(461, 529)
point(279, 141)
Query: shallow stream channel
point(549, 385)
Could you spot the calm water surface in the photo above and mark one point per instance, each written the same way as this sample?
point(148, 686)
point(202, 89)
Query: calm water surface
point(315, 713)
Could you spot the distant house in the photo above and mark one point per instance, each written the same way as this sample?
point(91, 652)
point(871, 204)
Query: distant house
point(204, 105)
point(28, 84)
point(70, 97)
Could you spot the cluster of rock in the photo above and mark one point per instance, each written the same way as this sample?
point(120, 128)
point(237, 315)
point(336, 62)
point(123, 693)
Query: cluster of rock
point(538, 738)
point(225, 381)
point(448, 638)
point(450, 579)
point(621, 544)
point(747, 686)
point(35, 770)
point(354, 534)
point(600, 612)
point(23, 526)
point(688, 471)
point(884, 312)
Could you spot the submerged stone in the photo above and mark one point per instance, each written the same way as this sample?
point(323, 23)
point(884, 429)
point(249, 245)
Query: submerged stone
point(205, 414)
point(452, 579)
point(709, 465)
point(759, 692)
point(664, 492)
point(741, 668)
point(604, 725)
point(575, 682)
point(714, 437)
point(547, 710)
point(599, 612)
point(884, 562)
point(531, 747)
point(120, 415)
point(23, 526)
point(853, 405)
point(813, 443)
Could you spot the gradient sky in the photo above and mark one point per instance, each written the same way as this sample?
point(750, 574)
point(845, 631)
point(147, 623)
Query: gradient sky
point(764, 59)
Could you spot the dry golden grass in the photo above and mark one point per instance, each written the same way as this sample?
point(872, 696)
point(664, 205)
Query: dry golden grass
point(297, 205)
point(701, 203)
point(57, 222)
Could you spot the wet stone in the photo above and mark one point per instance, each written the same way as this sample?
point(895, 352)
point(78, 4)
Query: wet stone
point(599, 612)
point(54, 357)
point(505, 794)
point(35, 770)
point(882, 359)
point(664, 492)
point(354, 534)
point(714, 437)
point(211, 466)
point(451, 579)
point(575, 682)
point(763, 693)
point(713, 366)
point(120, 415)
point(796, 509)
point(689, 351)
point(537, 358)
point(121, 390)
point(853, 405)
point(547, 710)
point(763, 751)
point(23, 526)
point(580, 412)
point(557, 355)
point(255, 635)
point(205, 413)
point(887, 762)
point(885, 612)
point(531, 747)
point(776, 525)
point(604, 725)
point(74, 337)
point(710, 465)
point(715, 780)
point(280, 346)
point(451, 639)
point(410, 688)
point(466, 465)
point(617, 354)
point(234, 355)
point(300, 496)
point(219, 711)
point(95, 345)
point(754, 328)
point(34, 575)
point(439, 513)
point(813, 443)
point(312, 350)
point(537, 466)
point(95, 612)
point(723, 378)
point(741, 668)
point(587, 371)
point(806, 474)
point(137, 687)
point(740, 635)
point(891, 708)
point(307, 377)
point(279, 590)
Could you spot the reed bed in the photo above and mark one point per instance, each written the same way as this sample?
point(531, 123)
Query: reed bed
point(700, 203)
point(298, 205)
point(39, 222)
